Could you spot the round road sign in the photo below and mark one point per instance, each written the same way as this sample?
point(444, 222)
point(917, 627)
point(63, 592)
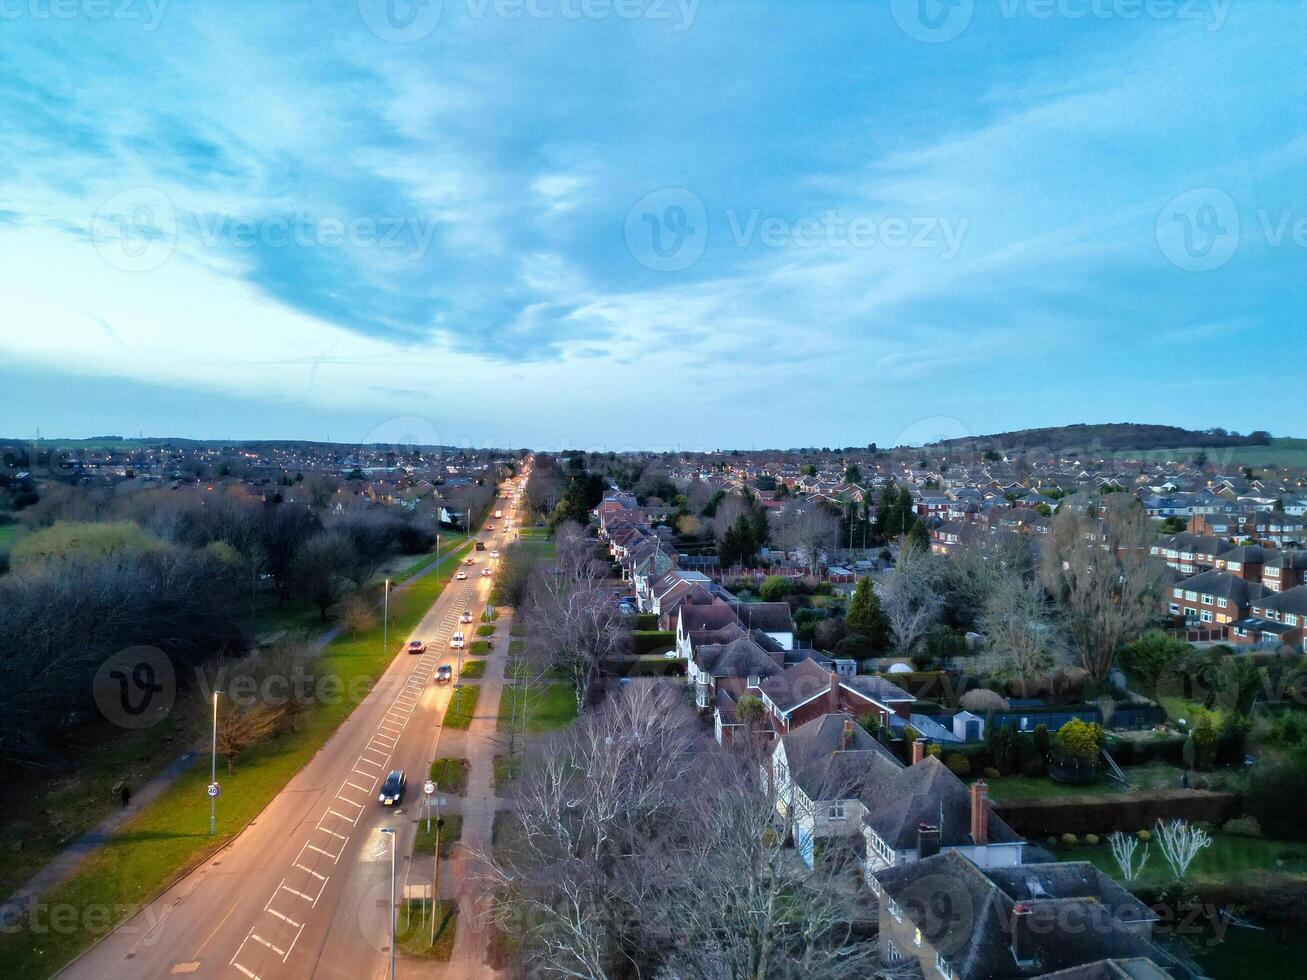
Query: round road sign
point(429, 788)
point(214, 789)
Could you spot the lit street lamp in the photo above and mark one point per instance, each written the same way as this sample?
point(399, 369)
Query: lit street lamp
point(385, 620)
point(213, 771)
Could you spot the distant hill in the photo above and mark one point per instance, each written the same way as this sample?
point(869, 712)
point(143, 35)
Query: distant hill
point(1111, 437)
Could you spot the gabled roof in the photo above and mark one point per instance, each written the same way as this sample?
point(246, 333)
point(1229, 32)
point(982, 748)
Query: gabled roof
point(825, 767)
point(927, 792)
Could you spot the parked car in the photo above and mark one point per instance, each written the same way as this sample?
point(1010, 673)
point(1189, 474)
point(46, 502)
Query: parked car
point(466, 617)
point(461, 576)
point(444, 674)
point(456, 641)
point(416, 646)
point(392, 790)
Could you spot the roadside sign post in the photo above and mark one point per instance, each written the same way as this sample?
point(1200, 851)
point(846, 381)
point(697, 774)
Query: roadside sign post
point(394, 844)
point(428, 791)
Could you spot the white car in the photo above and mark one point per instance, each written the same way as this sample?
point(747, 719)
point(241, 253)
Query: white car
point(466, 617)
point(456, 641)
point(461, 576)
point(494, 554)
point(485, 572)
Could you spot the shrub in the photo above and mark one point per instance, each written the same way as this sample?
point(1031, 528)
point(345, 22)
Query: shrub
point(1274, 795)
point(1243, 827)
point(774, 588)
point(1052, 842)
point(822, 588)
point(1032, 768)
point(1091, 840)
point(983, 700)
point(958, 764)
point(1144, 836)
point(1070, 840)
point(934, 751)
point(485, 630)
point(992, 773)
point(1079, 739)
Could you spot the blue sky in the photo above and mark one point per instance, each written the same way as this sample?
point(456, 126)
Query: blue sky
point(650, 223)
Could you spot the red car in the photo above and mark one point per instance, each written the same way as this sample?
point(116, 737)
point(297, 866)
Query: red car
point(416, 646)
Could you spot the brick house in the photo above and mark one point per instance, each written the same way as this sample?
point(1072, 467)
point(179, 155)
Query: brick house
point(1213, 599)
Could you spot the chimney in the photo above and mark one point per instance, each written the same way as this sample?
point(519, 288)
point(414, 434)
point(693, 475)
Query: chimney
point(979, 813)
point(834, 693)
point(847, 739)
point(918, 750)
point(927, 841)
point(1022, 949)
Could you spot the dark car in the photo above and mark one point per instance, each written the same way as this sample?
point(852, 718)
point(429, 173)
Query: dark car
point(444, 674)
point(416, 646)
point(392, 790)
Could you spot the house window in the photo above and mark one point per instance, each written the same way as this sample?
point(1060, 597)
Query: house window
point(837, 810)
point(1177, 592)
point(753, 680)
point(1290, 619)
point(942, 966)
point(895, 911)
point(916, 936)
point(894, 954)
point(1191, 596)
point(1208, 598)
point(1207, 615)
point(1222, 602)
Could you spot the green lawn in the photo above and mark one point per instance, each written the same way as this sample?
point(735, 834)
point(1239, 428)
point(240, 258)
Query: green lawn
point(1153, 775)
point(462, 706)
point(1228, 857)
point(413, 934)
point(480, 648)
point(473, 670)
point(486, 629)
point(450, 775)
point(8, 535)
point(451, 832)
point(170, 836)
point(448, 539)
point(507, 768)
point(550, 707)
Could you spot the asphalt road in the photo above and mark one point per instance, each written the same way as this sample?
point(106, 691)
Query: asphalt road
point(305, 889)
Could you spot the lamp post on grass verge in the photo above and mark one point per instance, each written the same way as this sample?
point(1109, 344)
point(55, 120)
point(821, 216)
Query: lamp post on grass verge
point(385, 619)
point(435, 882)
point(213, 771)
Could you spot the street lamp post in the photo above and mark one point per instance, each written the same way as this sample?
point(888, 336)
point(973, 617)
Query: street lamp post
point(385, 619)
point(394, 843)
point(213, 771)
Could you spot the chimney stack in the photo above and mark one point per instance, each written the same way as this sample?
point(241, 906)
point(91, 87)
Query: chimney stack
point(918, 750)
point(927, 841)
point(834, 694)
point(1021, 951)
point(979, 813)
point(847, 740)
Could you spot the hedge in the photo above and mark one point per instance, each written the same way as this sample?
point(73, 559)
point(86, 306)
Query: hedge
point(1099, 814)
point(646, 621)
point(645, 642)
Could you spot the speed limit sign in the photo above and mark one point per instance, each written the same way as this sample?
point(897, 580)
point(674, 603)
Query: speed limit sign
point(213, 790)
point(429, 788)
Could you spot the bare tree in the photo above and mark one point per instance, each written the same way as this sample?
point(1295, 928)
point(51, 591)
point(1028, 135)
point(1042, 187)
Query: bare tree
point(574, 627)
point(723, 896)
point(1018, 626)
point(911, 599)
point(321, 564)
point(319, 488)
point(1180, 843)
point(1102, 576)
point(586, 804)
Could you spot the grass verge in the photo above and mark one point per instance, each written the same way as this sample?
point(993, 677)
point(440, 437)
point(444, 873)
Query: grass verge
point(462, 706)
point(549, 707)
point(413, 930)
point(473, 670)
point(450, 775)
point(451, 832)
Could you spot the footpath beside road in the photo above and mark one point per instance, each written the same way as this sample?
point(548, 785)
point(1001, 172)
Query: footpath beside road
point(460, 872)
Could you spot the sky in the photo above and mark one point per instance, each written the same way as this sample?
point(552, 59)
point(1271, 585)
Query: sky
point(650, 224)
